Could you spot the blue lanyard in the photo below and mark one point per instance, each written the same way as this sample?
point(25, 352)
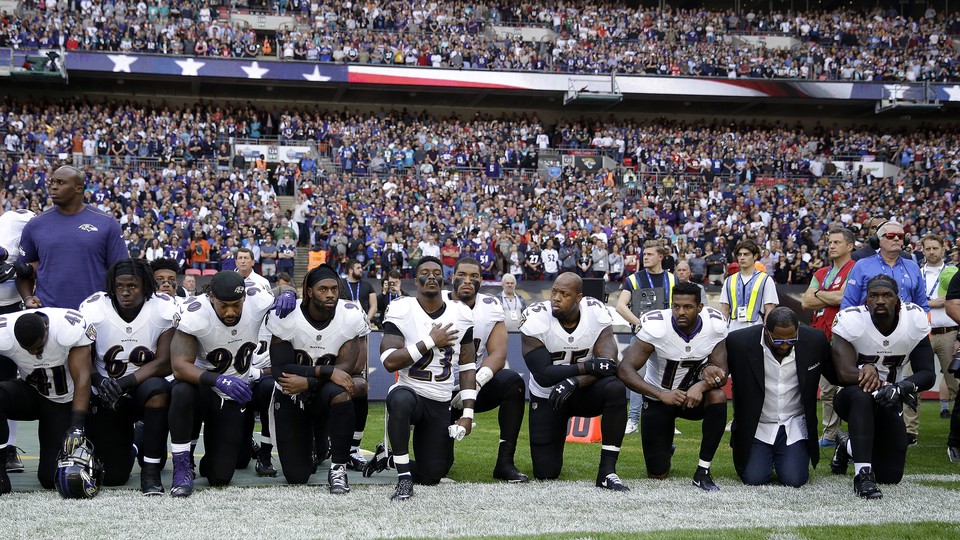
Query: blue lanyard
point(936, 282)
point(355, 295)
point(746, 287)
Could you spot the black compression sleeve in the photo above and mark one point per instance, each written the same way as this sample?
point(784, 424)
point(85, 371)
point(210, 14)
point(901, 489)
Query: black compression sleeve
point(283, 360)
point(544, 372)
point(467, 336)
point(390, 328)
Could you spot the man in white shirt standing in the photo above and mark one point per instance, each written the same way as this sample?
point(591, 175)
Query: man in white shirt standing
point(943, 333)
point(551, 262)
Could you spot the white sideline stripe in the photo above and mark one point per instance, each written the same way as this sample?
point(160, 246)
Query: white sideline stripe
point(450, 510)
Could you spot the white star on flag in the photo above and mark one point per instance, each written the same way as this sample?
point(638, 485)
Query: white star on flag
point(315, 76)
point(254, 71)
point(121, 62)
point(190, 67)
point(953, 92)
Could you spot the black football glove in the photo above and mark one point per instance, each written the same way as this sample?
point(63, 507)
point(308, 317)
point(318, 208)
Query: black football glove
point(7, 272)
point(600, 367)
point(562, 391)
point(109, 391)
point(895, 396)
point(74, 438)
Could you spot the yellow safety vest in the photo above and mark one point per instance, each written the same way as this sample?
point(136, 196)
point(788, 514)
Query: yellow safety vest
point(753, 306)
point(671, 282)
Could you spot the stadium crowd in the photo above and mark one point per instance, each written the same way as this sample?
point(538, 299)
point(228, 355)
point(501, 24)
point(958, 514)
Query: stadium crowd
point(399, 186)
point(587, 37)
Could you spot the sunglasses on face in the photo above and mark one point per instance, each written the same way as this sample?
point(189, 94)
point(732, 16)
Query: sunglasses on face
point(894, 236)
point(779, 342)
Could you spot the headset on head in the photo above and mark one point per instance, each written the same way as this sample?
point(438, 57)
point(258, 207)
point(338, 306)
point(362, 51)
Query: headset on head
point(874, 239)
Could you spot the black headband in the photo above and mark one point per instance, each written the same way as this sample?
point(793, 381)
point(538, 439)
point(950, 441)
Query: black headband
point(321, 273)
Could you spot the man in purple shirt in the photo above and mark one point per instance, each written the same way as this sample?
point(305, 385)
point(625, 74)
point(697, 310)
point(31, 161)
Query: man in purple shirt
point(70, 246)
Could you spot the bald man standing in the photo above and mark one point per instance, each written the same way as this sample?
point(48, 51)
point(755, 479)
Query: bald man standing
point(70, 246)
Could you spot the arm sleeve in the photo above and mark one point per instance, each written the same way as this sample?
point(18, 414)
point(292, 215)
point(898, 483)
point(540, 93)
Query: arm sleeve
point(282, 360)
point(544, 372)
point(921, 360)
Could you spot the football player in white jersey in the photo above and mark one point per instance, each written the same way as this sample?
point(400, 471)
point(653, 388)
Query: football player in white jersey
point(496, 385)
point(423, 337)
point(134, 329)
point(51, 348)
point(312, 352)
point(216, 337)
point(262, 382)
point(872, 344)
point(11, 227)
point(568, 346)
point(683, 380)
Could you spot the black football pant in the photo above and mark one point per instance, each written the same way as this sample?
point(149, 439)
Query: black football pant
point(606, 398)
point(505, 390)
point(111, 430)
point(657, 423)
point(953, 439)
point(877, 434)
point(431, 419)
point(223, 421)
point(294, 422)
point(262, 392)
point(20, 401)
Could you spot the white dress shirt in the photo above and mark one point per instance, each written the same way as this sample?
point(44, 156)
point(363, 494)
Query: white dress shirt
point(781, 401)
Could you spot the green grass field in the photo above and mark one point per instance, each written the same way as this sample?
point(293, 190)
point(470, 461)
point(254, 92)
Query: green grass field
point(923, 506)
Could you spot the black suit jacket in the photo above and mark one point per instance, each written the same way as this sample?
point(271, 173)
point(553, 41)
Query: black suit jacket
point(745, 359)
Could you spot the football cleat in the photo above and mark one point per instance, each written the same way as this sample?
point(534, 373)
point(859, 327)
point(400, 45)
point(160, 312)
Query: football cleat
point(182, 475)
point(356, 462)
point(14, 464)
point(265, 467)
point(865, 484)
point(611, 482)
point(404, 489)
point(150, 483)
point(337, 479)
point(703, 480)
point(378, 463)
point(510, 473)
point(841, 459)
point(953, 452)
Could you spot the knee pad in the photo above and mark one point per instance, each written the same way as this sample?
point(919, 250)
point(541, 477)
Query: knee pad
point(401, 401)
point(615, 393)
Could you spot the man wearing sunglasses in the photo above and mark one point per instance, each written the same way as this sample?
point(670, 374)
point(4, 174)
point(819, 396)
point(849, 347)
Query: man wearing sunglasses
point(872, 344)
point(776, 371)
point(905, 273)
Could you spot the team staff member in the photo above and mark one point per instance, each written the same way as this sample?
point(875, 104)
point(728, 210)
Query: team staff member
point(824, 296)
point(943, 333)
point(776, 370)
point(70, 246)
point(357, 289)
point(953, 310)
point(748, 295)
point(46, 344)
point(887, 261)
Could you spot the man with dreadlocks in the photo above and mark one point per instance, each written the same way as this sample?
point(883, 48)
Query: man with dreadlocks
point(134, 325)
point(313, 353)
point(872, 344)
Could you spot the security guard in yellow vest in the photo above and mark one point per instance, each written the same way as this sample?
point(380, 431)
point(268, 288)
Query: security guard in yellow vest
point(748, 295)
point(658, 284)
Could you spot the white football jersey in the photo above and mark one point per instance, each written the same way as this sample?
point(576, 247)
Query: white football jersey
point(11, 227)
point(888, 353)
point(431, 376)
point(678, 362)
point(226, 350)
point(123, 347)
point(48, 371)
point(319, 346)
point(565, 347)
point(261, 356)
point(487, 312)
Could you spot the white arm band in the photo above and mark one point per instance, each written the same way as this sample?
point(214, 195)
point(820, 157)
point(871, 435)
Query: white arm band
point(483, 376)
point(468, 394)
point(385, 354)
point(467, 413)
point(467, 367)
point(428, 342)
point(415, 353)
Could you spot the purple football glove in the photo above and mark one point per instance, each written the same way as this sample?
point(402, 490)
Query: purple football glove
point(234, 388)
point(285, 303)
